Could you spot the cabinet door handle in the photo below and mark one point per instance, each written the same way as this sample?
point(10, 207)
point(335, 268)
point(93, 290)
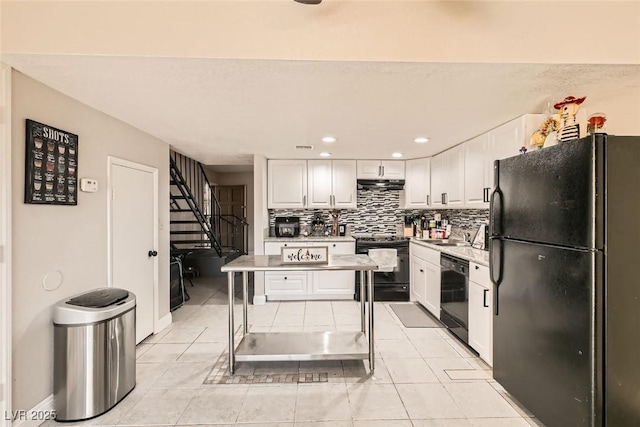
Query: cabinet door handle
point(379, 170)
point(477, 268)
point(304, 200)
point(484, 297)
point(421, 271)
point(334, 245)
point(382, 170)
point(285, 244)
point(428, 200)
point(442, 198)
point(285, 278)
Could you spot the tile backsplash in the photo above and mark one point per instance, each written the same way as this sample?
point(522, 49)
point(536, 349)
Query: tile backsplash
point(380, 212)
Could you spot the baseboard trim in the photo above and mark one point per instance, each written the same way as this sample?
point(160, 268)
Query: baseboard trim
point(43, 408)
point(163, 322)
point(259, 299)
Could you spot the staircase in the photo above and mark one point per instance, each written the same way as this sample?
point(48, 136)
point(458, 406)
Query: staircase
point(196, 219)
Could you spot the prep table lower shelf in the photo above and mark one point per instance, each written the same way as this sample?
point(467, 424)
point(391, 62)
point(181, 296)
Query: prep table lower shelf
point(302, 346)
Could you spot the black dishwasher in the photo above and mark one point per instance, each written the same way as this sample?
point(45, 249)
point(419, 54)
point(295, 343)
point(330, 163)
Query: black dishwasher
point(454, 295)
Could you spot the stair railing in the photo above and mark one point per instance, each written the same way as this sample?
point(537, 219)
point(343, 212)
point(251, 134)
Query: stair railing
point(192, 188)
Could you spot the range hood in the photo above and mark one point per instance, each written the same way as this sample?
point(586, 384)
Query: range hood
point(380, 184)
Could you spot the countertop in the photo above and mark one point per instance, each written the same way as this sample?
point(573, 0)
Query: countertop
point(274, 263)
point(301, 239)
point(465, 252)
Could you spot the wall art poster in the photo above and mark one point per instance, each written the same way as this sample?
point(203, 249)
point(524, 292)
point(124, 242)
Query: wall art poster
point(51, 167)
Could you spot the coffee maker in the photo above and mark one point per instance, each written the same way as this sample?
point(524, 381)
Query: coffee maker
point(287, 226)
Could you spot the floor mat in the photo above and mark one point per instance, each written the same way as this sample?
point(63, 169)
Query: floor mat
point(413, 316)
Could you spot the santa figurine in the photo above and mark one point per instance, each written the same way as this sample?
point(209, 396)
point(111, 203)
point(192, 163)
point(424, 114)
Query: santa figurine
point(568, 128)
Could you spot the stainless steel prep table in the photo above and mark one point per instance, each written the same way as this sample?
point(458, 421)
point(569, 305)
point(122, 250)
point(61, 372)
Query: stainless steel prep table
point(301, 346)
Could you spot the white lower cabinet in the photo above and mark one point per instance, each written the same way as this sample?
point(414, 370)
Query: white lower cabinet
point(310, 284)
point(481, 312)
point(425, 277)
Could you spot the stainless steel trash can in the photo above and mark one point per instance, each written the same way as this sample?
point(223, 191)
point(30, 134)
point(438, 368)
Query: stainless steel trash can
point(94, 352)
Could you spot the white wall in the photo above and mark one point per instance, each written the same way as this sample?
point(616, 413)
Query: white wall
point(69, 239)
point(5, 243)
point(623, 112)
point(260, 219)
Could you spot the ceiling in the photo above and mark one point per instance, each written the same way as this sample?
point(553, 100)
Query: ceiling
point(223, 111)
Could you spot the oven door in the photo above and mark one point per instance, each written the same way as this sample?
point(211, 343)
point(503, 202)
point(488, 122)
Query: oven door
point(389, 285)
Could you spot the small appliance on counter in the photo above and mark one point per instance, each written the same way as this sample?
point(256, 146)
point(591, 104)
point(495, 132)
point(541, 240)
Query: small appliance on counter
point(287, 226)
point(409, 227)
point(318, 227)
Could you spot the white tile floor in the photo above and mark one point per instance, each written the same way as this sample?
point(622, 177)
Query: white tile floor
point(423, 376)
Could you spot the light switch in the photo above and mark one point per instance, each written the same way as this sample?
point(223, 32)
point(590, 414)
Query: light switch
point(88, 185)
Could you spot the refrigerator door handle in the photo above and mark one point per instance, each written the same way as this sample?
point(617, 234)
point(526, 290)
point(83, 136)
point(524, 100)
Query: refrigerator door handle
point(496, 202)
point(496, 257)
point(484, 297)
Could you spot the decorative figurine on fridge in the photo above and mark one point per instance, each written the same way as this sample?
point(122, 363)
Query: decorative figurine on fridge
point(568, 128)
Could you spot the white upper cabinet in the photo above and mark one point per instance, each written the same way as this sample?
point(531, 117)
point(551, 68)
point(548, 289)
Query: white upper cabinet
point(380, 169)
point(480, 153)
point(345, 186)
point(332, 184)
point(286, 184)
point(319, 183)
point(417, 187)
point(447, 178)
point(477, 165)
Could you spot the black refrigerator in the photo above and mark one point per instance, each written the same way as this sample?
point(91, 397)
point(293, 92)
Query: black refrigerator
point(565, 263)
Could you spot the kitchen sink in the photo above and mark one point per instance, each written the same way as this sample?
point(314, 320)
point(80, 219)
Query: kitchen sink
point(445, 242)
point(453, 244)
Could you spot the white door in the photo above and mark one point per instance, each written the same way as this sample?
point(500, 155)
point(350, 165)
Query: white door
point(287, 184)
point(475, 184)
point(393, 169)
point(417, 186)
point(5, 244)
point(455, 181)
point(369, 169)
point(344, 183)
point(417, 279)
point(134, 237)
point(438, 179)
point(319, 183)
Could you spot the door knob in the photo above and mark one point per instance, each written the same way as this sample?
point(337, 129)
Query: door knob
point(153, 253)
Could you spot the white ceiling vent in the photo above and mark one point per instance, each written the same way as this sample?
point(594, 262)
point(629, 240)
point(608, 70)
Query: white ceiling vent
point(304, 147)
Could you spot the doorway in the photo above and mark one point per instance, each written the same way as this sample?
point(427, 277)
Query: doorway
point(233, 201)
point(133, 237)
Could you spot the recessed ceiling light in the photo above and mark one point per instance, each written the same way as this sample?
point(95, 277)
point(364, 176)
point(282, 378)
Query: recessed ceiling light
point(325, 154)
point(421, 139)
point(329, 139)
point(396, 155)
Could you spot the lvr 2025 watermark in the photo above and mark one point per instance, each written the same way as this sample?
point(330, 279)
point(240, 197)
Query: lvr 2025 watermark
point(22, 415)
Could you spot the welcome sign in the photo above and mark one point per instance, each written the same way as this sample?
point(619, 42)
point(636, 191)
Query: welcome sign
point(305, 255)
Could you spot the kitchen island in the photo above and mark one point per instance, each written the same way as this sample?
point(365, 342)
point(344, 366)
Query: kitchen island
point(300, 346)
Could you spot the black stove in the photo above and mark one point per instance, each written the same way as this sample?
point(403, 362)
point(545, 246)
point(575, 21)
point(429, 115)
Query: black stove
point(388, 285)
